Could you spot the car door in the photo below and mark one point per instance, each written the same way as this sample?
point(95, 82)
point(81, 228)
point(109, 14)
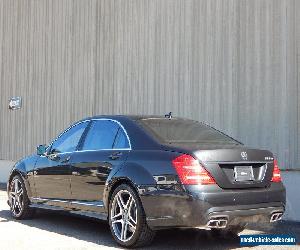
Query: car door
point(104, 147)
point(52, 171)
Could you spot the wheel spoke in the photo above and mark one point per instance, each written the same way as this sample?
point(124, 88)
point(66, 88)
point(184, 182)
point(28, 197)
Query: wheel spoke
point(133, 219)
point(20, 192)
point(116, 216)
point(16, 186)
point(18, 198)
point(120, 202)
point(132, 227)
point(19, 206)
point(128, 203)
point(131, 204)
point(13, 201)
point(124, 231)
point(117, 221)
point(15, 206)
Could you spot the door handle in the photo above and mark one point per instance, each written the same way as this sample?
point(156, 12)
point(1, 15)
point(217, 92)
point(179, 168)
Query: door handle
point(66, 160)
point(115, 156)
point(53, 157)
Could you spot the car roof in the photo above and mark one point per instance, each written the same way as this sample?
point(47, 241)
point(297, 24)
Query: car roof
point(131, 117)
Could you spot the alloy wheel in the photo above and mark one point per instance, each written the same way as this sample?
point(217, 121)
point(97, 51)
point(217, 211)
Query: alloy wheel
point(123, 215)
point(16, 197)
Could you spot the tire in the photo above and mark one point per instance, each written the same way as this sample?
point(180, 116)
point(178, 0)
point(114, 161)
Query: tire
point(127, 218)
point(18, 199)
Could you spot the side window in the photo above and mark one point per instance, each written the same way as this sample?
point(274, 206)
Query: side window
point(121, 140)
point(69, 140)
point(101, 135)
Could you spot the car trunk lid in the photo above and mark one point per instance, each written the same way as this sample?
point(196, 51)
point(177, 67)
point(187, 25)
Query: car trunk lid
point(233, 166)
point(239, 167)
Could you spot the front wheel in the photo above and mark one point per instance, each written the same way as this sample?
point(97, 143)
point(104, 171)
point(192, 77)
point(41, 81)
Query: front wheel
point(18, 199)
point(127, 218)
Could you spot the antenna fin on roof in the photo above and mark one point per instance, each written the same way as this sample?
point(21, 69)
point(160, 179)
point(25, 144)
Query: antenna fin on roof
point(169, 115)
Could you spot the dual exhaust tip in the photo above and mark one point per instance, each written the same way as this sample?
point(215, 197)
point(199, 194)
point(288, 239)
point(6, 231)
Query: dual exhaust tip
point(222, 221)
point(276, 216)
point(217, 222)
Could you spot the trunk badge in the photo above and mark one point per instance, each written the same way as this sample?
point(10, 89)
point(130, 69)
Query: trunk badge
point(268, 158)
point(244, 155)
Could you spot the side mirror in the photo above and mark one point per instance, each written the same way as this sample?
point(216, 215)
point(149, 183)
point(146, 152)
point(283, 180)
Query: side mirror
point(41, 149)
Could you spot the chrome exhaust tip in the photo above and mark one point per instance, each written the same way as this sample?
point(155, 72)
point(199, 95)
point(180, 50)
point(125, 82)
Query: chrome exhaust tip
point(217, 222)
point(276, 216)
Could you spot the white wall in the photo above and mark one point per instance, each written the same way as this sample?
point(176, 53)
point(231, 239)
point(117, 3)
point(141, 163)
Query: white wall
point(233, 64)
point(5, 167)
point(291, 180)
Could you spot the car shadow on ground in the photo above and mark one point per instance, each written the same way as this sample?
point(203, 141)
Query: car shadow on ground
point(98, 232)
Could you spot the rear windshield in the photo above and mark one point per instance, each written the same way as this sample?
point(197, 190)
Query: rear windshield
point(181, 131)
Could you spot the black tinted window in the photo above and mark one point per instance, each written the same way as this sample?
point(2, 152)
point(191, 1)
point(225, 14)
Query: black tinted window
point(101, 135)
point(121, 140)
point(180, 131)
point(68, 141)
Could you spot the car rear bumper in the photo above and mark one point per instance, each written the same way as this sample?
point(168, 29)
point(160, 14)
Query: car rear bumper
point(197, 208)
point(244, 215)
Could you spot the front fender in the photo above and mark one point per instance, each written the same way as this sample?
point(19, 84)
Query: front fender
point(19, 169)
point(24, 168)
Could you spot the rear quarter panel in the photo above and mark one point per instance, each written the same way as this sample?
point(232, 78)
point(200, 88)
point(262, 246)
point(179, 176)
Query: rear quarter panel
point(140, 168)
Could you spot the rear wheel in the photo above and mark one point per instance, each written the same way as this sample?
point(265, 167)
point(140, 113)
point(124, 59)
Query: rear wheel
point(127, 218)
point(18, 199)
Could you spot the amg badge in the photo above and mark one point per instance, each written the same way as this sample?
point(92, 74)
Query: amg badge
point(244, 155)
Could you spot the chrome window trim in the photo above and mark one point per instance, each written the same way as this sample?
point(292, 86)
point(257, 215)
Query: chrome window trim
point(39, 199)
point(52, 200)
point(96, 150)
point(87, 204)
point(93, 150)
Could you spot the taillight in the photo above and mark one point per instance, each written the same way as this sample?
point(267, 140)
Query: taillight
point(190, 171)
point(276, 173)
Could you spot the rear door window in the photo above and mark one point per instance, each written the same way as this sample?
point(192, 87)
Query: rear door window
point(121, 141)
point(101, 135)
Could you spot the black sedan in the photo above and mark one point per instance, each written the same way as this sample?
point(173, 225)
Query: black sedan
point(145, 173)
